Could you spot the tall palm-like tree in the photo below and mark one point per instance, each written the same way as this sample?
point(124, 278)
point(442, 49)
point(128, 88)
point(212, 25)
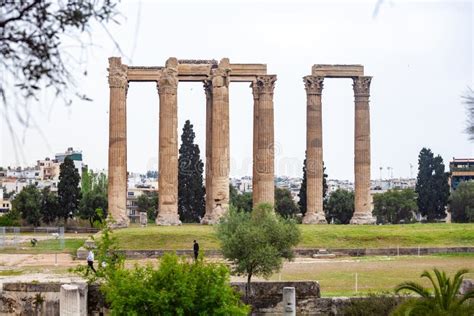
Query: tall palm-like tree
point(443, 300)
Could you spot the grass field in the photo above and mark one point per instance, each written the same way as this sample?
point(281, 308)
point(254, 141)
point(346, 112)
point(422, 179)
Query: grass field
point(313, 236)
point(46, 246)
point(374, 274)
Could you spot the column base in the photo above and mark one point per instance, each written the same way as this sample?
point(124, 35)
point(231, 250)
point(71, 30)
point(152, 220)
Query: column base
point(362, 219)
point(115, 223)
point(168, 220)
point(314, 218)
point(214, 217)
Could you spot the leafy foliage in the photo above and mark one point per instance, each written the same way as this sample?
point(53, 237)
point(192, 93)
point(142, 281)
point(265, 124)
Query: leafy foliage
point(284, 204)
point(257, 242)
point(176, 287)
point(191, 191)
point(395, 206)
point(431, 186)
point(93, 207)
point(240, 201)
point(443, 301)
point(32, 50)
point(461, 203)
point(469, 102)
point(302, 194)
point(12, 218)
point(372, 305)
point(148, 203)
point(28, 204)
point(340, 207)
point(49, 206)
point(68, 189)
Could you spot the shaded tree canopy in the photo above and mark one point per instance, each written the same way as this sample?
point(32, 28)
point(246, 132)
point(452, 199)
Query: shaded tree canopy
point(28, 204)
point(461, 203)
point(395, 206)
point(431, 186)
point(340, 207)
point(242, 202)
point(284, 203)
point(257, 242)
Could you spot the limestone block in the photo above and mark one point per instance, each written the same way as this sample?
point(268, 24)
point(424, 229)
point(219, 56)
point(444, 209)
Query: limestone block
point(73, 300)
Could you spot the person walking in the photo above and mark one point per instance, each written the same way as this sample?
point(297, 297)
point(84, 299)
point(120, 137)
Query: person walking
point(90, 261)
point(196, 250)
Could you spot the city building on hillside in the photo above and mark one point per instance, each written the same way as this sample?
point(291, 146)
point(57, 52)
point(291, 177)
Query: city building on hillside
point(132, 196)
point(74, 155)
point(5, 204)
point(461, 169)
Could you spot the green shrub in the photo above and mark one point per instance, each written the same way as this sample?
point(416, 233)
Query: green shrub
point(176, 287)
point(372, 305)
point(11, 218)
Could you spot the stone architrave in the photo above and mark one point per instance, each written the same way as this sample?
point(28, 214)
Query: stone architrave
point(263, 185)
point(314, 151)
point(168, 145)
point(362, 209)
point(117, 188)
point(220, 160)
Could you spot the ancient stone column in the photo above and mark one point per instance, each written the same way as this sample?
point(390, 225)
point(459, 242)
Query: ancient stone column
point(168, 145)
point(208, 91)
point(264, 187)
point(256, 97)
point(117, 174)
point(73, 299)
point(314, 151)
point(220, 160)
point(363, 210)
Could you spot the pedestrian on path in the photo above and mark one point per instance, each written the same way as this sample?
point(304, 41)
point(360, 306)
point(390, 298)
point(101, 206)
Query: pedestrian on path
point(196, 250)
point(90, 261)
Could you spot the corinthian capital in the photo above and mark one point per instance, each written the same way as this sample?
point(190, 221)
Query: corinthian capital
point(313, 84)
point(117, 73)
point(265, 84)
point(168, 81)
point(362, 86)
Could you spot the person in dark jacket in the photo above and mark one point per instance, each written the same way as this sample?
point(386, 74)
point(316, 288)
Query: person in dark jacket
point(196, 250)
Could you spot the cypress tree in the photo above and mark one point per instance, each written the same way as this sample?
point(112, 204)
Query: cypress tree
point(191, 191)
point(302, 193)
point(431, 186)
point(69, 192)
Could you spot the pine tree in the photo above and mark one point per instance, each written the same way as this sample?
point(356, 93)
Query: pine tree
point(191, 191)
point(68, 189)
point(302, 193)
point(431, 186)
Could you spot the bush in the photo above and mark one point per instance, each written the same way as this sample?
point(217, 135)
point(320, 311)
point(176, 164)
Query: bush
point(11, 218)
point(176, 287)
point(372, 305)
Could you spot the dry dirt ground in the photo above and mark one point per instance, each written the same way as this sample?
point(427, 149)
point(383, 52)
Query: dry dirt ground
point(336, 276)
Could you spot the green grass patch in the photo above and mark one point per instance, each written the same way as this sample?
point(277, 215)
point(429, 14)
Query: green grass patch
point(47, 246)
point(10, 272)
point(313, 236)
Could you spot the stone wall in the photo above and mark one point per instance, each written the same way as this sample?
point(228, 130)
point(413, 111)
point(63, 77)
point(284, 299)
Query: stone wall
point(43, 298)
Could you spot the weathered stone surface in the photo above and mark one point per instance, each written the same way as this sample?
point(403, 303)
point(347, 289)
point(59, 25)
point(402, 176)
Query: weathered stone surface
point(466, 286)
point(362, 208)
point(117, 174)
point(220, 159)
point(338, 71)
point(73, 300)
point(314, 151)
point(264, 140)
point(168, 146)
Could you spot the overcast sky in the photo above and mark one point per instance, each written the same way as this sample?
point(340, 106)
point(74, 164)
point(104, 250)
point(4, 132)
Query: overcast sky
point(420, 55)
